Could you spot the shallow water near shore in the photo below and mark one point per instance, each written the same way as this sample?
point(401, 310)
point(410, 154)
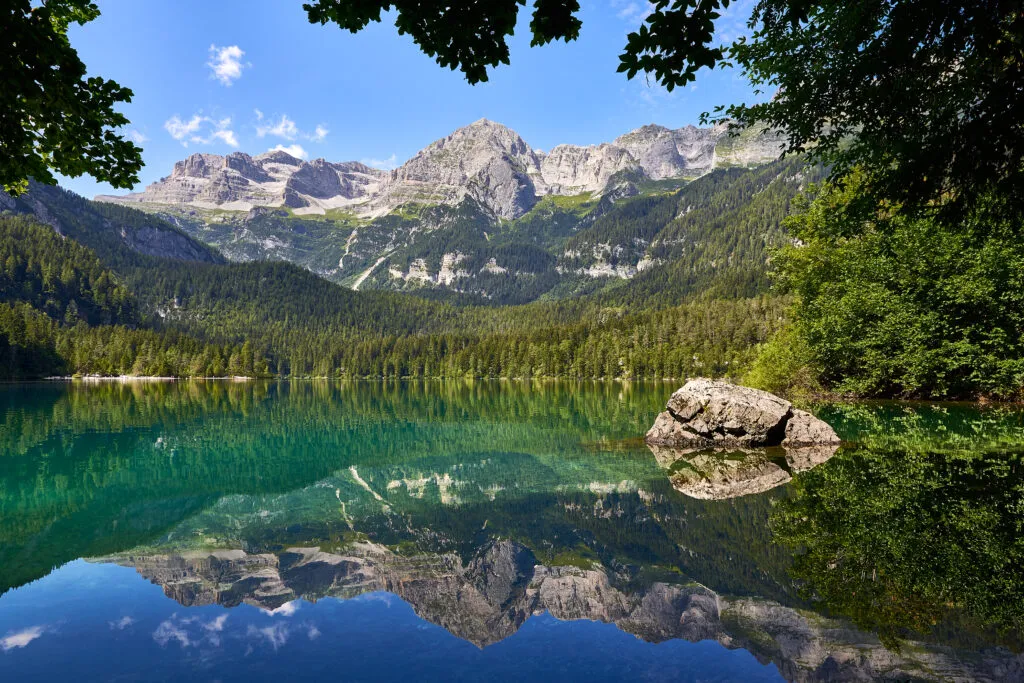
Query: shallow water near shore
point(495, 531)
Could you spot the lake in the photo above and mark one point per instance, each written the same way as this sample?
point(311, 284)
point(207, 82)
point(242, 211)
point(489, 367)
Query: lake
point(496, 531)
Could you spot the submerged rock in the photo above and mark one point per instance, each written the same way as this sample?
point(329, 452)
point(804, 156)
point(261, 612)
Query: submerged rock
point(708, 412)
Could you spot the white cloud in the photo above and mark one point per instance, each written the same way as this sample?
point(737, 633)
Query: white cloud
point(226, 63)
point(20, 639)
point(276, 635)
point(285, 128)
point(137, 136)
point(313, 632)
point(377, 596)
point(288, 608)
point(177, 628)
point(385, 164)
point(201, 130)
point(295, 150)
point(180, 130)
point(227, 136)
point(122, 623)
point(169, 630)
point(217, 625)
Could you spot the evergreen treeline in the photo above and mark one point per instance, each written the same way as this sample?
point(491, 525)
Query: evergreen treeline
point(33, 345)
point(707, 337)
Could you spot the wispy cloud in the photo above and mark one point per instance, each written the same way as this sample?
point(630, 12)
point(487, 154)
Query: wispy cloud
point(275, 635)
point(733, 21)
point(180, 130)
point(137, 136)
point(201, 130)
point(188, 631)
point(295, 150)
point(385, 164)
point(217, 624)
point(171, 630)
point(728, 27)
point(652, 93)
point(19, 639)
point(121, 624)
point(286, 129)
point(227, 136)
point(226, 63)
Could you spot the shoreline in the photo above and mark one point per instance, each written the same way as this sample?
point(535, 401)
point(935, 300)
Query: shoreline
point(138, 378)
point(980, 402)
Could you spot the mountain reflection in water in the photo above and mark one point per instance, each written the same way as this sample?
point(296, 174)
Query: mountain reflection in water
point(484, 506)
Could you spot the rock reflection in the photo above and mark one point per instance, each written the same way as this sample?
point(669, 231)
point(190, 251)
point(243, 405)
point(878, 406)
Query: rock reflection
point(722, 473)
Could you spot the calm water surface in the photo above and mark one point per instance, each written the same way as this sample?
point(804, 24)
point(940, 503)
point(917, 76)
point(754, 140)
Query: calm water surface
point(495, 531)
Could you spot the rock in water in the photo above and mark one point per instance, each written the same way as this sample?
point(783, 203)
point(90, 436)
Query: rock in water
point(708, 412)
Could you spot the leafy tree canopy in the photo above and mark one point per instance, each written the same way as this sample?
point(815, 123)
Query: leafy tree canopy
point(52, 116)
point(890, 304)
point(926, 95)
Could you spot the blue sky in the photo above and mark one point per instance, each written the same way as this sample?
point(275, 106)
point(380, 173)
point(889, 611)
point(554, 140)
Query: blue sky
point(249, 75)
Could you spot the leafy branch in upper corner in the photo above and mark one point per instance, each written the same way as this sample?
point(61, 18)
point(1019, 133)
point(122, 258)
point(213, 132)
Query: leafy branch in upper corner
point(52, 116)
point(926, 97)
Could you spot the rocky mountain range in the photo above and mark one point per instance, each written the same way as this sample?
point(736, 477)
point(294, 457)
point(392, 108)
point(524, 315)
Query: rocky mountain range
point(666, 237)
point(485, 161)
point(479, 216)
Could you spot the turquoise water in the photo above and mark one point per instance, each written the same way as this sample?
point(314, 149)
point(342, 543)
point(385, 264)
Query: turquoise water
point(494, 531)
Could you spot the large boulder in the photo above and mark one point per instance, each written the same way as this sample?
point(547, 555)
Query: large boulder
point(708, 412)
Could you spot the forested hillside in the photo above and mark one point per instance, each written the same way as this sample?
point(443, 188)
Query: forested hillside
point(59, 277)
point(105, 289)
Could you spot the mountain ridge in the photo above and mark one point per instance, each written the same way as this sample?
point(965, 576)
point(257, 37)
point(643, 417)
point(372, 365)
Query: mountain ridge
point(485, 161)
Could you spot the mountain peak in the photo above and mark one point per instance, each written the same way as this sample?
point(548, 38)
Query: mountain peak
point(484, 122)
point(279, 156)
point(483, 128)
